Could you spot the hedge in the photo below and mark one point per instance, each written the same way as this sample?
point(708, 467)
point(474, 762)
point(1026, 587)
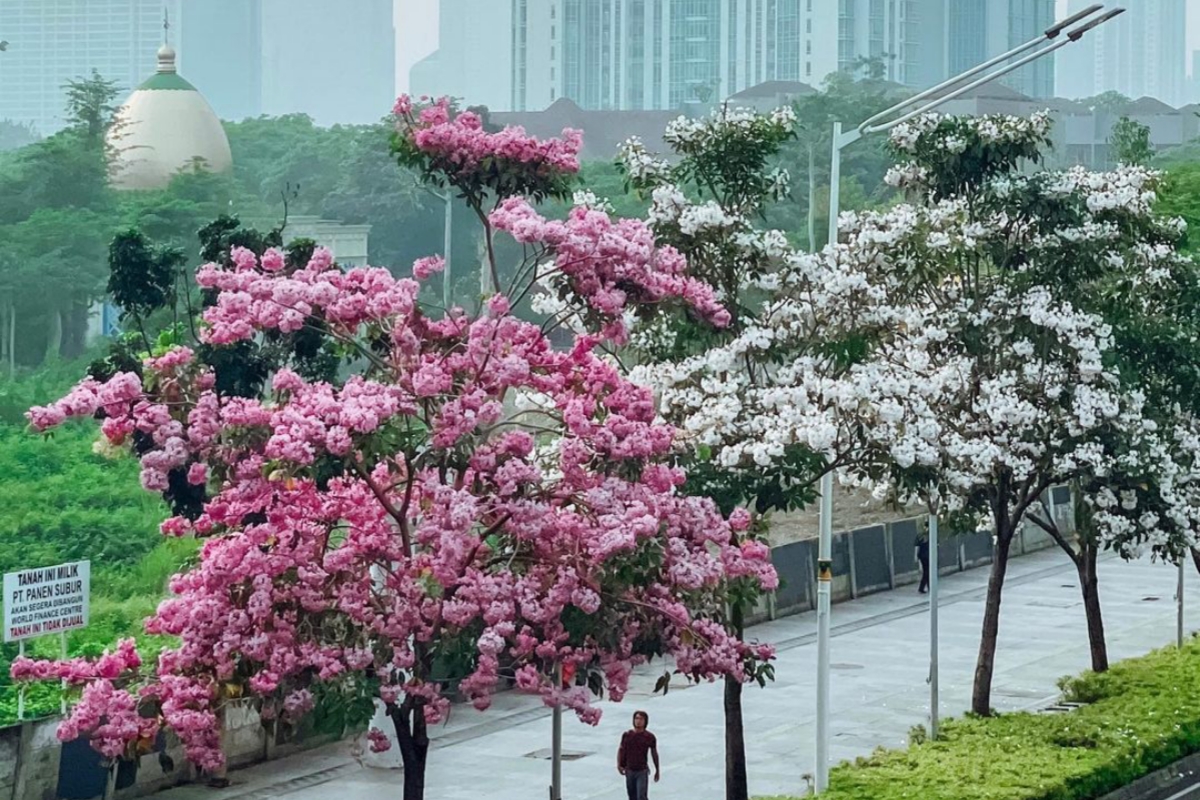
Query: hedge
point(1140, 716)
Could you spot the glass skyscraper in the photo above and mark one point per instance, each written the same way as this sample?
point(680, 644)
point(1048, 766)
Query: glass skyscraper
point(655, 54)
point(979, 29)
point(54, 41)
point(664, 54)
point(1141, 53)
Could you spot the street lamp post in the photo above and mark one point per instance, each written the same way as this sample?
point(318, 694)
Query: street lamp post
point(447, 198)
point(447, 243)
point(898, 114)
point(1179, 607)
point(556, 742)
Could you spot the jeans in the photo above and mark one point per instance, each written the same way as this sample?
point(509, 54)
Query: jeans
point(924, 585)
point(637, 784)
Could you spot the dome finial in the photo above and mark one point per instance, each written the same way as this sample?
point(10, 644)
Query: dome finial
point(166, 54)
point(166, 59)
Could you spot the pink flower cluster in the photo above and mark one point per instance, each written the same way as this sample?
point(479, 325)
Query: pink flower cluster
point(448, 514)
point(459, 145)
point(402, 552)
point(256, 296)
point(110, 717)
point(79, 671)
point(113, 397)
point(610, 264)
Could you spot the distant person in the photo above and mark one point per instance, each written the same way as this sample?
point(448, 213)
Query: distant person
point(636, 743)
point(923, 557)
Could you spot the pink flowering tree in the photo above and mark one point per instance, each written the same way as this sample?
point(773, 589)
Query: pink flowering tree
point(455, 485)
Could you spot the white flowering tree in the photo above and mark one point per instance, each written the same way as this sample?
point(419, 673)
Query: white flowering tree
point(706, 203)
point(1000, 334)
point(1103, 245)
point(1025, 352)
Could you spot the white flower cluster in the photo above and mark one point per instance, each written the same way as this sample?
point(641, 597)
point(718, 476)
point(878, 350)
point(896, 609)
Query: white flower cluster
point(907, 135)
point(1160, 512)
point(998, 128)
point(586, 198)
point(908, 354)
point(991, 129)
point(640, 165)
point(687, 133)
point(970, 376)
point(904, 176)
point(1130, 189)
point(671, 207)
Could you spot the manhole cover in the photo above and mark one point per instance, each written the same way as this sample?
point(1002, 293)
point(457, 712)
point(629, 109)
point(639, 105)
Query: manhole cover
point(567, 755)
point(845, 666)
point(1051, 604)
point(1066, 586)
point(1150, 599)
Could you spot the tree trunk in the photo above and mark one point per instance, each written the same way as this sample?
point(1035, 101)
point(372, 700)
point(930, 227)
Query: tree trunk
point(981, 698)
point(736, 782)
point(812, 201)
point(75, 328)
point(12, 339)
point(413, 737)
point(1091, 605)
point(54, 341)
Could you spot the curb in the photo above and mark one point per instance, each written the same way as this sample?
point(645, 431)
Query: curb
point(1178, 777)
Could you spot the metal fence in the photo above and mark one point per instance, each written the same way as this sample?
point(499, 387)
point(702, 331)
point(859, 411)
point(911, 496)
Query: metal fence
point(881, 557)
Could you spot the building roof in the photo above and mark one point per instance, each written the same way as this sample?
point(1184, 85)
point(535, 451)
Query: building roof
point(997, 91)
point(164, 128)
point(1147, 106)
point(603, 131)
point(774, 89)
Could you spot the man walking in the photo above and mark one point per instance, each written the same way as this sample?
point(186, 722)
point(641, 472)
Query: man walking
point(923, 558)
point(632, 762)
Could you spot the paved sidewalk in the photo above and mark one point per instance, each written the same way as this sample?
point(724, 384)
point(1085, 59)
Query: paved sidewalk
point(880, 664)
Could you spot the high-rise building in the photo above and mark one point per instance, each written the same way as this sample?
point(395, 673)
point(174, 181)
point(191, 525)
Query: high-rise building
point(663, 54)
point(335, 62)
point(898, 40)
point(51, 42)
point(1194, 96)
point(625, 54)
point(1141, 53)
point(977, 30)
point(475, 56)
point(220, 50)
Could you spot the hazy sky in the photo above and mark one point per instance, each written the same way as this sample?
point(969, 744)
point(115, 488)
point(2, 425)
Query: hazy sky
point(416, 35)
point(416, 32)
point(1193, 22)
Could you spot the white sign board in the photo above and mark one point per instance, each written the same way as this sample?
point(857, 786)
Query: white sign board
point(46, 600)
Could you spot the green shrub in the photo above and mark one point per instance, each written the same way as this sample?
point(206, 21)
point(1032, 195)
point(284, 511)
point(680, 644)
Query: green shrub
point(1142, 715)
point(59, 501)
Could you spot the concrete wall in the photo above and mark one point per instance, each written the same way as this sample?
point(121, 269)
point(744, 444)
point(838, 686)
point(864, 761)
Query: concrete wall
point(34, 765)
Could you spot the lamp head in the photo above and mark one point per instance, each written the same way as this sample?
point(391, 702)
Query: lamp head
point(1054, 30)
point(1078, 33)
